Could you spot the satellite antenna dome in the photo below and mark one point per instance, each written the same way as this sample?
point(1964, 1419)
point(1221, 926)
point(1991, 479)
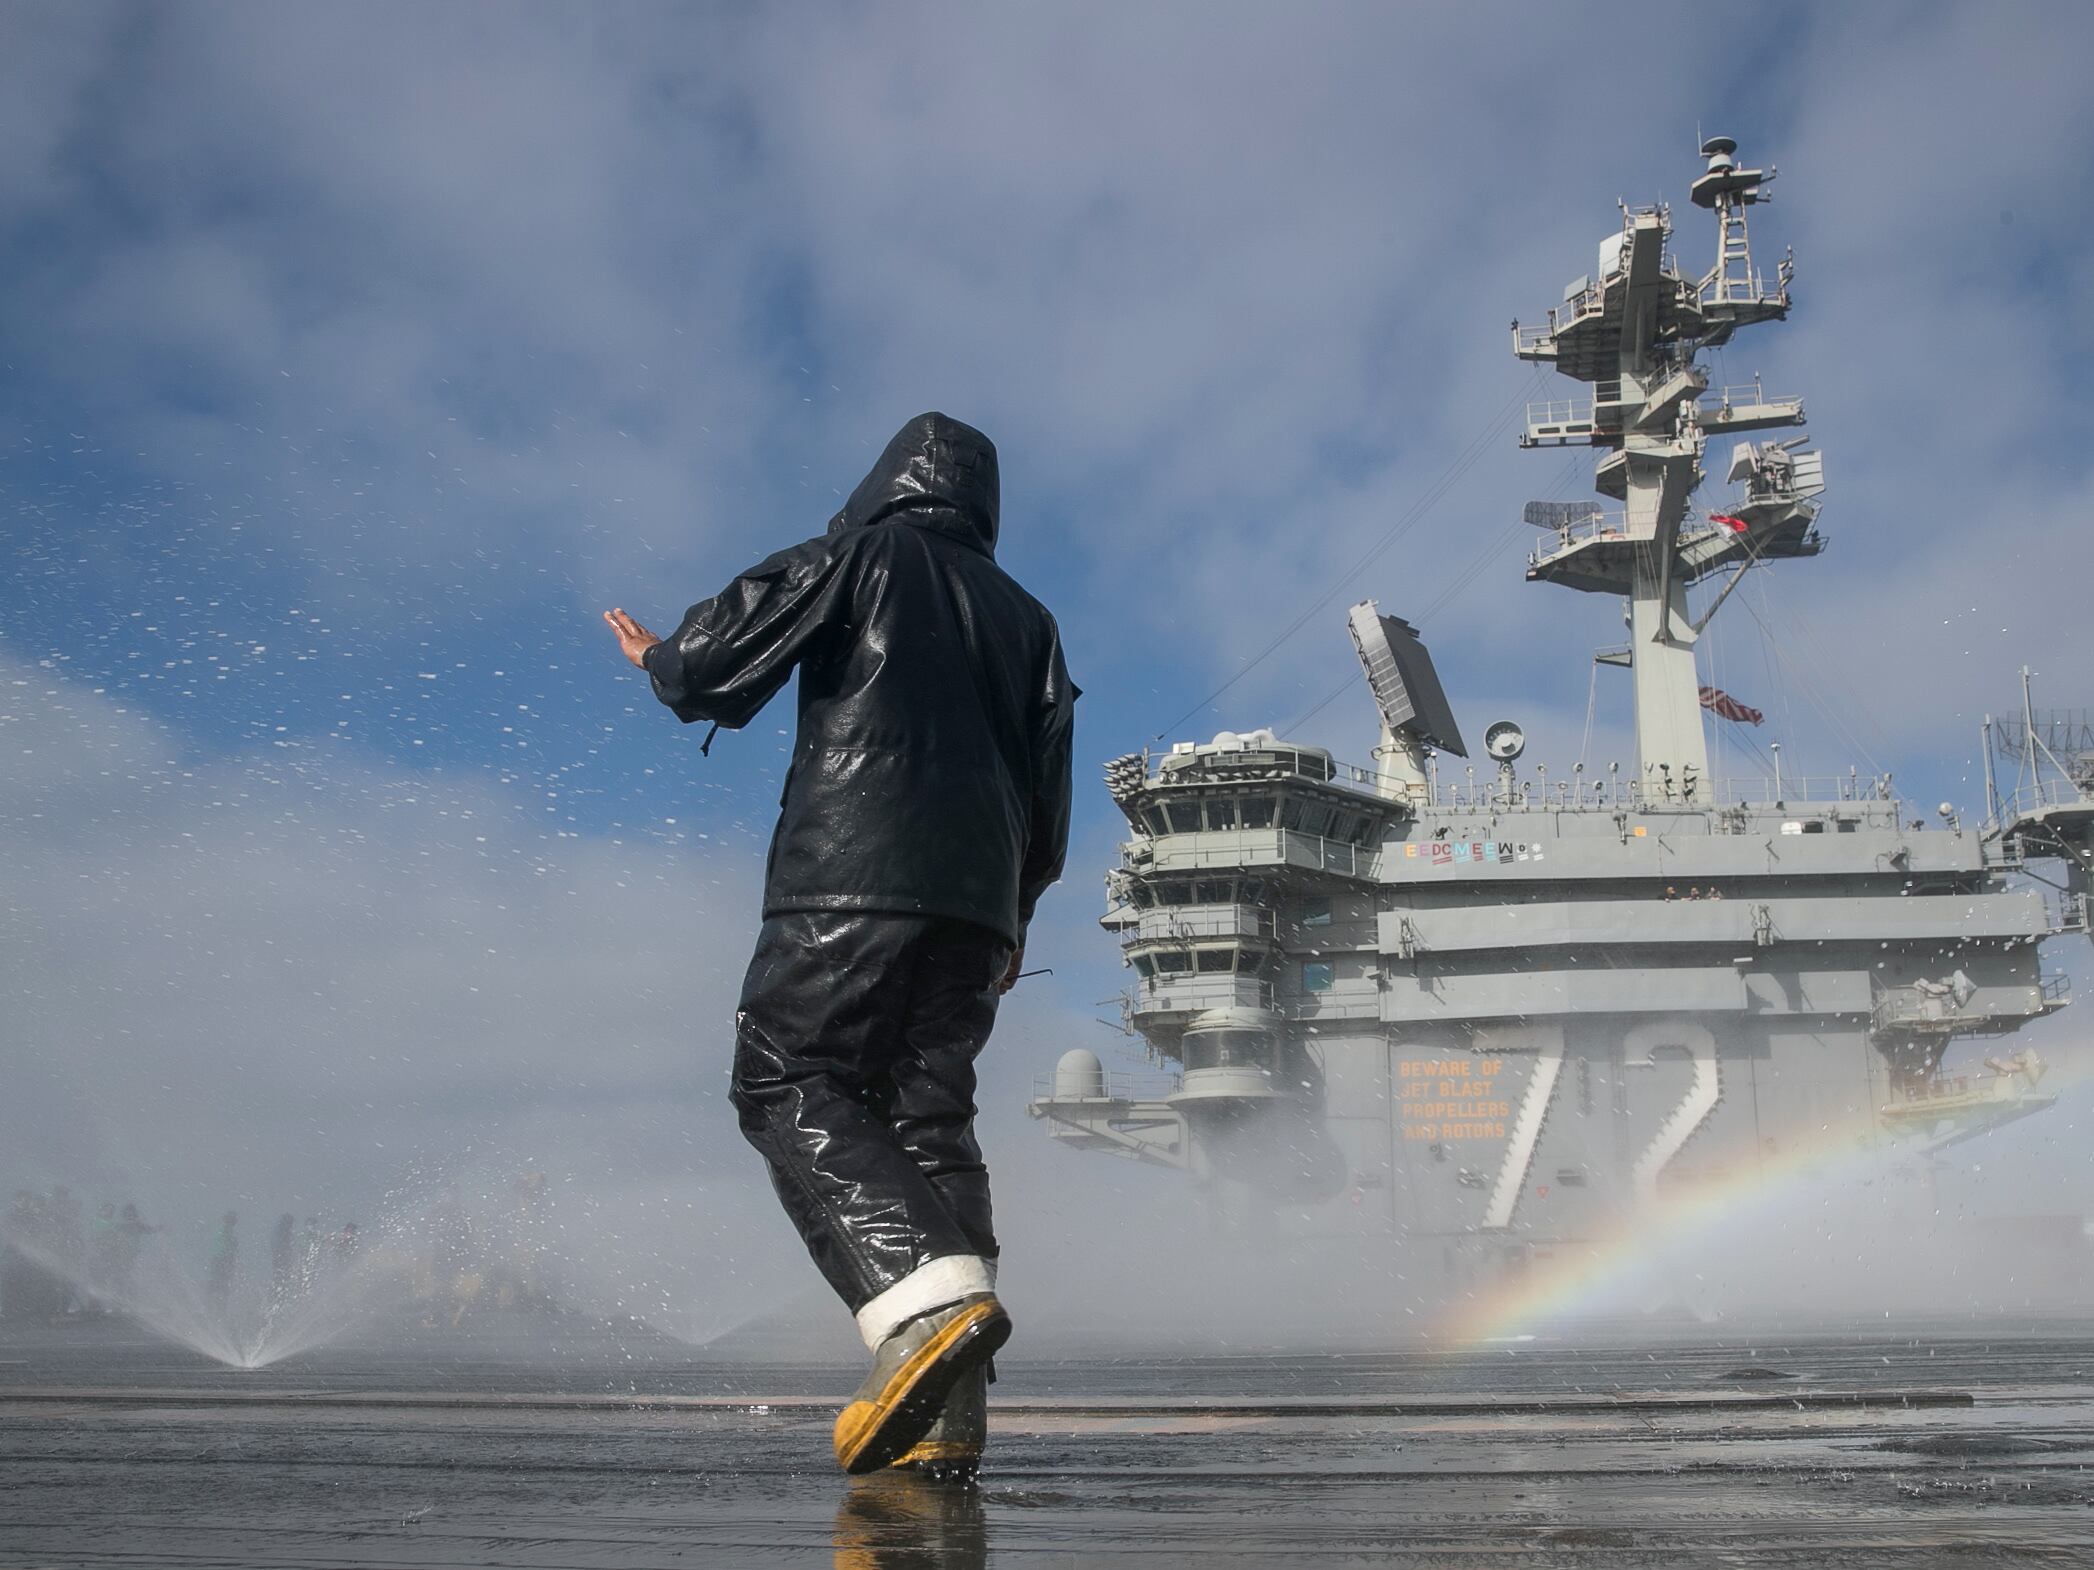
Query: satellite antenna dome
point(1504, 741)
point(1719, 147)
point(1079, 1076)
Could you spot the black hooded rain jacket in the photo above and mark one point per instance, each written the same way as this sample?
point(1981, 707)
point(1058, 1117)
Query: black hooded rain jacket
point(931, 771)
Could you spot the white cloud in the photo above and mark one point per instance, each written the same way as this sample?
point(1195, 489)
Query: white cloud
point(1231, 295)
point(405, 307)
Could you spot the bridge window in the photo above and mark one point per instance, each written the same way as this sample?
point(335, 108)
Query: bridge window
point(1318, 975)
point(1173, 894)
point(1221, 814)
point(1171, 962)
point(1185, 817)
point(1302, 763)
point(1227, 1049)
point(1144, 964)
point(1257, 812)
point(1213, 891)
point(1158, 824)
point(1216, 959)
point(1315, 913)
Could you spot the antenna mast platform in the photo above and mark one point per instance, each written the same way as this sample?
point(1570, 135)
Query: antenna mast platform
point(1633, 331)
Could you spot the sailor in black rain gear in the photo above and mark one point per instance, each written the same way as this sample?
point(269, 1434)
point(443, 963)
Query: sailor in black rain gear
point(925, 811)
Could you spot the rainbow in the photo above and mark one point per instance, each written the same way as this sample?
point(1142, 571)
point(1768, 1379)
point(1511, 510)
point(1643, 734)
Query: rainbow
point(1586, 1277)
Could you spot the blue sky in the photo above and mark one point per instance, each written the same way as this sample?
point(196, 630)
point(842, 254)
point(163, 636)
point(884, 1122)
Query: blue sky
point(357, 357)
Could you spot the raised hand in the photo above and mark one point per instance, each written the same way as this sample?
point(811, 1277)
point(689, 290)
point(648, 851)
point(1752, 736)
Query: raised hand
point(634, 640)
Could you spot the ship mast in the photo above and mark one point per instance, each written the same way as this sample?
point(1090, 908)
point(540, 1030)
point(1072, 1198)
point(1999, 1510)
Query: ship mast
point(1633, 332)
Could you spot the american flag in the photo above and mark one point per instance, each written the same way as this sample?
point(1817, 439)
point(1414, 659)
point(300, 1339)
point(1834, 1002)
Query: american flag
point(1717, 701)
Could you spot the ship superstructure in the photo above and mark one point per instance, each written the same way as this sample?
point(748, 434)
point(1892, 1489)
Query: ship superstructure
point(1518, 1005)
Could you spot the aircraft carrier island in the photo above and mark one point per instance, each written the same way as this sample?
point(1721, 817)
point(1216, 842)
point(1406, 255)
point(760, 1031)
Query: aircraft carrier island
point(1500, 1003)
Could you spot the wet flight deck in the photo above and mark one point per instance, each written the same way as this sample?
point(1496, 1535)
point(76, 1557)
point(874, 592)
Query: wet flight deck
point(1773, 1450)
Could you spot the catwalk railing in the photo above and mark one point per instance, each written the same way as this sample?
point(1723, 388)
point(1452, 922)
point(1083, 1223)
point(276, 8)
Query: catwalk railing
point(1575, 792)
point(1117, 1087)
point(2044, 795)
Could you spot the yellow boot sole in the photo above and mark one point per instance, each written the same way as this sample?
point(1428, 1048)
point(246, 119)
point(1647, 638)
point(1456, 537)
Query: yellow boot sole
point(942, 1452)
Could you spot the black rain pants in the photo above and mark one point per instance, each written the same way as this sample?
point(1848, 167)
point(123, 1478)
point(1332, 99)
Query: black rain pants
point(854, 1077)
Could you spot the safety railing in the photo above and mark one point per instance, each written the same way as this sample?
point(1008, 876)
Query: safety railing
point(2040, 795)
point(1534, 342)
point(1909, 1008)
point(1341, 856)
point(1905, 1008)
point(1117, 1087)
point(1741, 286)
point(1796, 799)
point(1251, 848)
point(1192, 992)
point(1560, 421)
point(1746, 395)
point(1170, 923)
point(1358, 778)
point(1250, 763)
point(1751, 411)
point(1531, 342)
point(1959, 1087)
point(1870, 798)
point(1598, 525)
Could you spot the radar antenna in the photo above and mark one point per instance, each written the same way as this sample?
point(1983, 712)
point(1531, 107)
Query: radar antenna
point(1728, 191)
point(1415, 716)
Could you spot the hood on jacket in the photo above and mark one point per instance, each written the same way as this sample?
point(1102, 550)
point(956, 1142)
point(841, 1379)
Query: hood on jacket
point(935, 467)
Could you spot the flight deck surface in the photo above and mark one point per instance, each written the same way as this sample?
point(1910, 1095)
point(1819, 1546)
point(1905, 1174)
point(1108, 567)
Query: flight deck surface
point(1771, 1451)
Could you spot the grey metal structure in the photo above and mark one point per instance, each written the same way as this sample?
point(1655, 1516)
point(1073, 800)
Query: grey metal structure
point(2048, 811)
point(1518, 1007)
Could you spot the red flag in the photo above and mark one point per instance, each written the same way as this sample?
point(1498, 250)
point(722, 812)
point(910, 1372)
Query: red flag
point(1717, 701)
point(1735, 525)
